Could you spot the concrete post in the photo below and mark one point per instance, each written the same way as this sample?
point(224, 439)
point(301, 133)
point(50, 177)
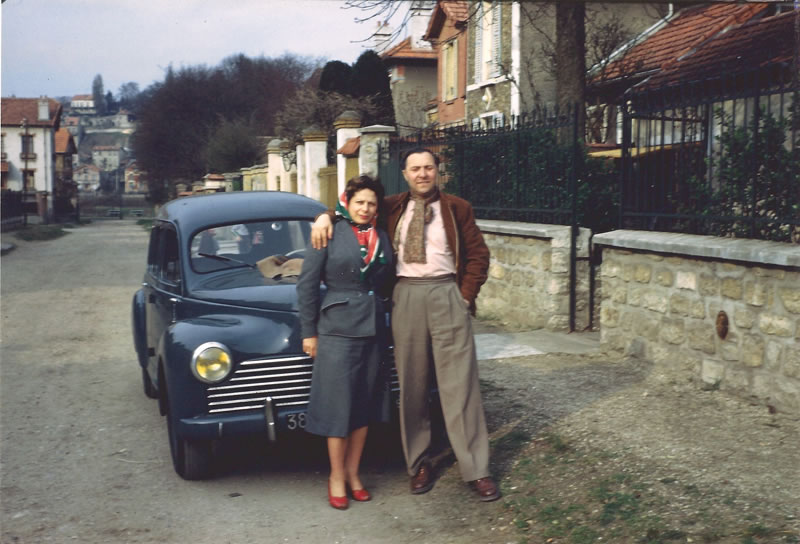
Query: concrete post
point(346, 125)
point(373, 138)
point(274, 165)
point(288, 176)
point(316, 144)
point(302, 182)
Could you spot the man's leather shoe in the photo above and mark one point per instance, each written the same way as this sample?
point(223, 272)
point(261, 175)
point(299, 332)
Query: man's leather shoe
point(486, 489)
point(422, 481)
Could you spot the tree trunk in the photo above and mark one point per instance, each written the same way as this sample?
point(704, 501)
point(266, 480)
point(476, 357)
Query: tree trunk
point(571, 61)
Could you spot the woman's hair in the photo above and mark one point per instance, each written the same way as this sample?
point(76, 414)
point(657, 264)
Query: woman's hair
point(367, 182)
point(358, 183)
point(414, 151)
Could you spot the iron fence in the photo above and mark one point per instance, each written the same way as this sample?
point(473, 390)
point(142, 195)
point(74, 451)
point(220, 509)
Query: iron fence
point(717, 157)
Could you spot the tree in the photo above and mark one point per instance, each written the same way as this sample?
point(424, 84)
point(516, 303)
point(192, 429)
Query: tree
point(336, 77)
point(313, 108)
point(179, 118)
point(233, 145)
point(97, 94)
point(128, 95)
point(371, 78)
point(109, 102)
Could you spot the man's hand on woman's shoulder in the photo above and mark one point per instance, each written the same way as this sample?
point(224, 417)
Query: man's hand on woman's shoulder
point(321, 231)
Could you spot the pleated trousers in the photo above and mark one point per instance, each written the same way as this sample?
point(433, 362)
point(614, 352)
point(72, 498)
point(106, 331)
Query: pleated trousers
point(432, 328)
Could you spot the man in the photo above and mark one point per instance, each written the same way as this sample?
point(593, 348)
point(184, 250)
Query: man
point(442, 261)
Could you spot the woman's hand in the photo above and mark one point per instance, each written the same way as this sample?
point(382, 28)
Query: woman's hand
point(321, 231)
point(310, 346)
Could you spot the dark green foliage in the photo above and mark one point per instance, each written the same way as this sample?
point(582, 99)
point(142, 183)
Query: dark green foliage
point(337, 77)
point(233, 145)
point(754, 188)
point(371, 78)
point(526, 175)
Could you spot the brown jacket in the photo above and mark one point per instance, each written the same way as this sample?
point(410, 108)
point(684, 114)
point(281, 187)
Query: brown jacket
point(463, 236)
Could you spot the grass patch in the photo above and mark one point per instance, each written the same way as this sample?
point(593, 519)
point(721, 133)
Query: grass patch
point(559, 491)
point(34, 233)
point(147, 224)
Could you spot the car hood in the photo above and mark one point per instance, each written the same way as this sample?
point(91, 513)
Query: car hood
point(279, 297)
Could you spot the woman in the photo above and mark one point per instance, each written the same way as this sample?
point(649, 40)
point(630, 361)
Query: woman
point(344, 330)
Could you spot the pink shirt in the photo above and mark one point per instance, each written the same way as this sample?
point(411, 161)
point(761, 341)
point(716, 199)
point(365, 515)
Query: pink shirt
point(437, 251)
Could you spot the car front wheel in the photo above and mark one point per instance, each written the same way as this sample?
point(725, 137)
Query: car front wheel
point(149, 388)
point(190, 458)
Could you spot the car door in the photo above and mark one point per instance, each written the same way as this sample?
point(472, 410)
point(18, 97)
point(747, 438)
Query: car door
point(164, 284)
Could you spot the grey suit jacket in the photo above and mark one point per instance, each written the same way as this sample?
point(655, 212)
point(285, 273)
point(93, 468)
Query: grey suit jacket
point(349, 307)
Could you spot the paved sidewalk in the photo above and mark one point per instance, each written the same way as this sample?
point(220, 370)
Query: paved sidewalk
point(500, 344)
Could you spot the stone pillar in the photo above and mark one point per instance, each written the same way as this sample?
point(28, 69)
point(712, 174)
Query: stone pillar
point(288, 176)
point(274, 165)
point(346, 125)
point(373, 138)
point(316, 144)
point(302, 182)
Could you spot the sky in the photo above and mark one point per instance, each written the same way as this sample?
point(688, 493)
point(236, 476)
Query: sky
point(56, 47)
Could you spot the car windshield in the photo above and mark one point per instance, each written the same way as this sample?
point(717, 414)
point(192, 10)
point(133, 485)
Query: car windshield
point(273, 249)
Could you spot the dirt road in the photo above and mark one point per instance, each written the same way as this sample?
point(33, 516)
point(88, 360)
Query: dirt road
point(85, 456)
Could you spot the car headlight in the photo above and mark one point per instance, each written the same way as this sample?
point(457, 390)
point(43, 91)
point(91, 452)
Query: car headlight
point(211, 362)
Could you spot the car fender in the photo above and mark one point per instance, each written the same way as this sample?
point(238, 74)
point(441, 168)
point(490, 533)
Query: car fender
point(246, 336)
point(139, 324)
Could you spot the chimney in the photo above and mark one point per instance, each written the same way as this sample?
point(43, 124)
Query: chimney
point(382, 37)
point(43, 109)
point(418, 18)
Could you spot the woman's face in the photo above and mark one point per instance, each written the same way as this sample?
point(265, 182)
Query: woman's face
point(363, 206)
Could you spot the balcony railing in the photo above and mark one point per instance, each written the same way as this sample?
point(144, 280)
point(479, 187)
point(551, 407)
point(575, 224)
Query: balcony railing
point(27, 156)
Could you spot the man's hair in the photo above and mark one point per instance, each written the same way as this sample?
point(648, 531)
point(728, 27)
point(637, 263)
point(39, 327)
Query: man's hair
point(358, 183)
point(418, 150)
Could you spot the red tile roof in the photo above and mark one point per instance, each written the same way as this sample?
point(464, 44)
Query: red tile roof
point(755, 44)
point(64, 142)
point(403, 50)
point(457, 10)
point(350, 147)
point(685, 31)
point(17, 109)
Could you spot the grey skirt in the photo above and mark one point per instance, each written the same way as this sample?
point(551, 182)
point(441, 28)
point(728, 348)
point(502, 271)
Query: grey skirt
point(347, 386)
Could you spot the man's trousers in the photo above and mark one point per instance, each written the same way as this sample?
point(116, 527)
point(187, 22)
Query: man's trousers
point(431, 325)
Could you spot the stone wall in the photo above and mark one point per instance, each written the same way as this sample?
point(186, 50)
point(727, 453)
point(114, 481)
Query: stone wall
point(722, 311)
point(528, 281)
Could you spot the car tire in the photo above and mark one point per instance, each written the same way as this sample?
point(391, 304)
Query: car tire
point(149, 389)
point(192, 459)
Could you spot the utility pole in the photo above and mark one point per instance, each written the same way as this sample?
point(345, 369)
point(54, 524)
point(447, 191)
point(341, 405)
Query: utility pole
point(25, 141)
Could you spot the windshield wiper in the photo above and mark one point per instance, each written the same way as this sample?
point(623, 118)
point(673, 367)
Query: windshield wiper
point(228, 259)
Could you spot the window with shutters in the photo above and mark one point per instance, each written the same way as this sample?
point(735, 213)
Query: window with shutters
point(488, 46)
point(450, 73)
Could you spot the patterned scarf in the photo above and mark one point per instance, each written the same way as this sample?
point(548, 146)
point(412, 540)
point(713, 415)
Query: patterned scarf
point(367, 236)
point(414, 246)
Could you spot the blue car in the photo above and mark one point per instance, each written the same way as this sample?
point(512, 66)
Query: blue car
point(215, 323)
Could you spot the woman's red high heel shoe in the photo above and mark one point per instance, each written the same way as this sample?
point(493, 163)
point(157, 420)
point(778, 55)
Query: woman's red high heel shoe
point(340, 503)
point(360, 495)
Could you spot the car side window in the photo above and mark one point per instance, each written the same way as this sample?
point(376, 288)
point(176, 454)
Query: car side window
point(170, 263)
point(153, 252)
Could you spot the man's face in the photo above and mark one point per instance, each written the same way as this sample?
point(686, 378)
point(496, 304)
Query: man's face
point(420, 173)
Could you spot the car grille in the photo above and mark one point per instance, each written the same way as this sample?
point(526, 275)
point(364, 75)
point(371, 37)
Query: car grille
point(287, 380)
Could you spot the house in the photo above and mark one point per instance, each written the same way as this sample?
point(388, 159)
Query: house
point(108, 157)
point(699, 43)
point(83, 104)
point(511, 47)
point(28, 147)
point(87, 177)
point(447, 33)
point(412, 70)
point(65, 150)
point(135, 179)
